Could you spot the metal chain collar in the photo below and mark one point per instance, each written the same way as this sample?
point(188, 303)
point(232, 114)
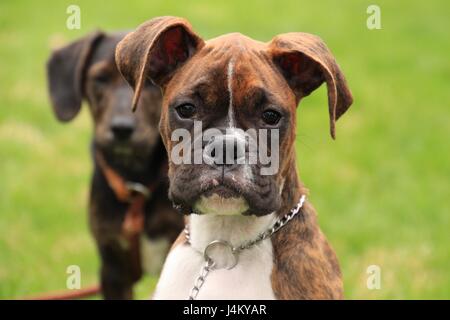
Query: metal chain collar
point(210, 264)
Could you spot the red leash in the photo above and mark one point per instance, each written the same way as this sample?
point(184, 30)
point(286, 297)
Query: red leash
point(69, 295)
point(134, 194)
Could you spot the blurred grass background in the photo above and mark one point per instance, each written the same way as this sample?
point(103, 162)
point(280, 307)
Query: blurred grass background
point(381, 189)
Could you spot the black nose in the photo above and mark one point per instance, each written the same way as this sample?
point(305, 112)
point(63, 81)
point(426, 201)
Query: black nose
point(122, 127)
point(225, 150)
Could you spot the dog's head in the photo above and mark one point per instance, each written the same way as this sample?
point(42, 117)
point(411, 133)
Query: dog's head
point(86, 70)
point(240, 87)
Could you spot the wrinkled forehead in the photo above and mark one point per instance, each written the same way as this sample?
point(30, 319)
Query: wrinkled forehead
point(232, 64)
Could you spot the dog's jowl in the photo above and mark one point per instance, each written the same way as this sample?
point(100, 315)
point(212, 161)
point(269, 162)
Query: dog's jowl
point(249, 235)
point(128, 201)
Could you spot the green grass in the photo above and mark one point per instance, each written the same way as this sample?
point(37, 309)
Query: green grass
point(381, 189)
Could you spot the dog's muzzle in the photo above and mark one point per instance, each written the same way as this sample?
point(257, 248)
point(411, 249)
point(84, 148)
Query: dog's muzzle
point(225, 151)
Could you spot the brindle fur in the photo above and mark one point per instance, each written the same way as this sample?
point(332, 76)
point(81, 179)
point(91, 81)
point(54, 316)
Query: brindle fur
point(86, 70)
point(166, 51)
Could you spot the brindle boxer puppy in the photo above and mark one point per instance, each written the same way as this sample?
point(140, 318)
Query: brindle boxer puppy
point(234, 82)
point(126, 148)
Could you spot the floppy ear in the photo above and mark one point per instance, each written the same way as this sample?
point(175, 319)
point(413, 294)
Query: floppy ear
point(155, 50)
point(306, 62)
point(65, 75)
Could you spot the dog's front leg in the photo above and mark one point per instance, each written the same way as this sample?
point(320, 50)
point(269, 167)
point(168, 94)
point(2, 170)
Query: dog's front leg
point(116, 275)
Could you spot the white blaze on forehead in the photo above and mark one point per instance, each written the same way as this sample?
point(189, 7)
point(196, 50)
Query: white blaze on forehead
point(230, 71)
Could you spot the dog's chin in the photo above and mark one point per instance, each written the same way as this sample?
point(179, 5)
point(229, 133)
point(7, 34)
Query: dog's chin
point(209, 192)
point(221, 202)
point(122, 155)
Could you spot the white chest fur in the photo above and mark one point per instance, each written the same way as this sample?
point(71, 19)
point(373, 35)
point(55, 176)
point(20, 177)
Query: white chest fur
point(249, 279)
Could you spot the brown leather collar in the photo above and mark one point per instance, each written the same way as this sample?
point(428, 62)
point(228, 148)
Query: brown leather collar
point(135, 194)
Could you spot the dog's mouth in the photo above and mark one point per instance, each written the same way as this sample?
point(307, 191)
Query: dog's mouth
point(126, 155)
point(221, 200)
point(217, 205)
point(122, 150)
point(212, 193)
point(221, 191)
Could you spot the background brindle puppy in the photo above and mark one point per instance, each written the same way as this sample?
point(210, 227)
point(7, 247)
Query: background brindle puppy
point(127, 144)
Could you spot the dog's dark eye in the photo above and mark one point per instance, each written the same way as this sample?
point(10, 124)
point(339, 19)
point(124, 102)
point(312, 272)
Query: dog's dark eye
point(271, 117)
point(102, 78)
point(186, 110)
